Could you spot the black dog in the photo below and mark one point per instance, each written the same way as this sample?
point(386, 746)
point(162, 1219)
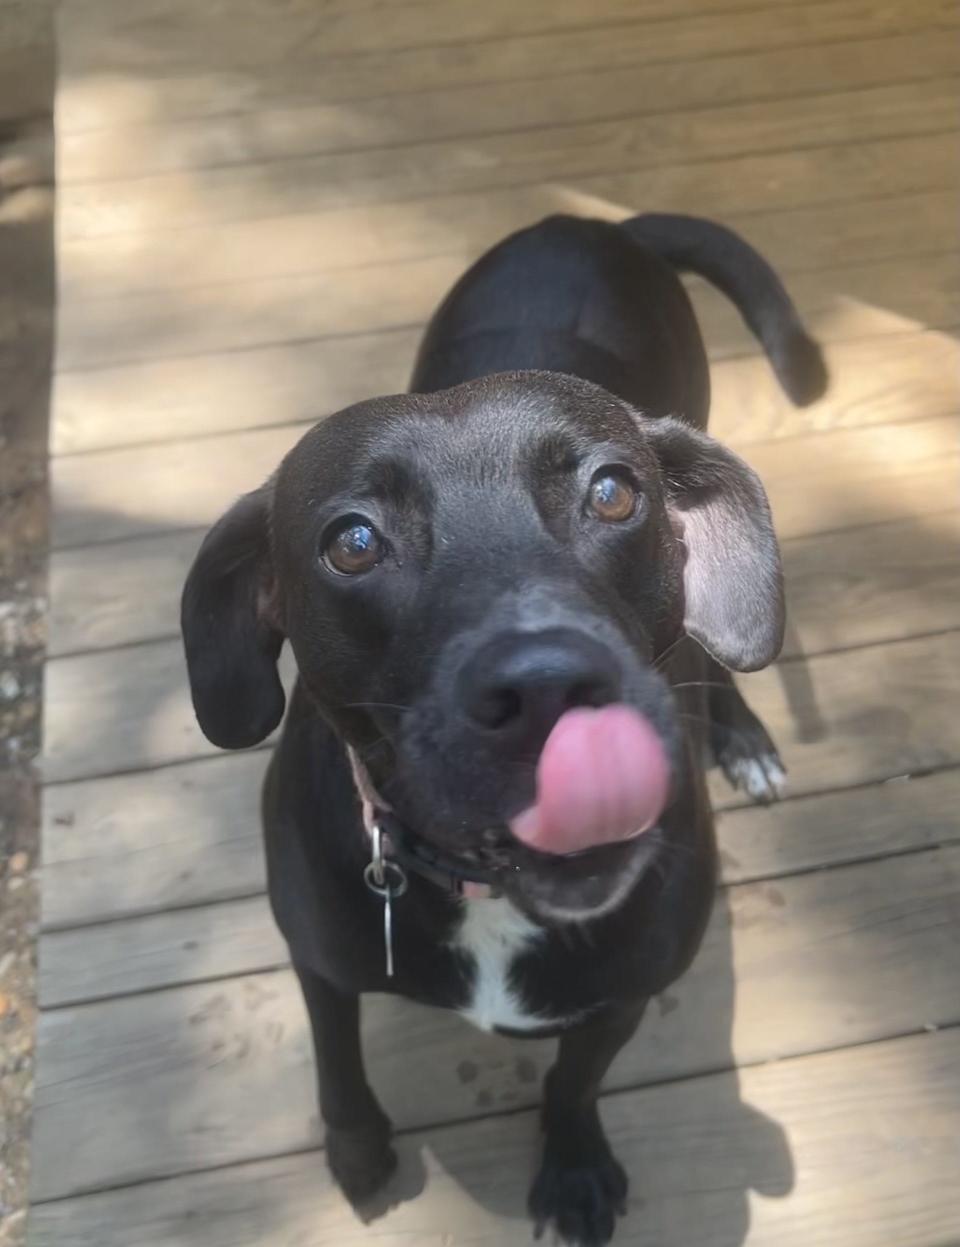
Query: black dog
point(465, 575)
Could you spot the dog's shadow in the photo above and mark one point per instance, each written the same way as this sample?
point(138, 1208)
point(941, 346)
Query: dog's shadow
point(694, 1150)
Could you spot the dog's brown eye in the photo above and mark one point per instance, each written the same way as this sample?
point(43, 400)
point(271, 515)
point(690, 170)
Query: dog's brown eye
point(355, 548)
point(612, 498)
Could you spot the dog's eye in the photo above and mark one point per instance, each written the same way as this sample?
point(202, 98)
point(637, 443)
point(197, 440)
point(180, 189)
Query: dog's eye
point(355, 547)
point(612, 497)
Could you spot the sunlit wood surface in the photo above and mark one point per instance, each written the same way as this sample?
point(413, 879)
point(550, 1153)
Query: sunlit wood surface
point(260, 201)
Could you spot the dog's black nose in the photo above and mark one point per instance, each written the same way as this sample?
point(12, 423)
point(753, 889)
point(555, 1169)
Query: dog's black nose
point(519, 684)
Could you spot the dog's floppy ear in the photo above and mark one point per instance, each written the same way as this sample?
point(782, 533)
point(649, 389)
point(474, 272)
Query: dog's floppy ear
point(732, 577)
point(231, 640)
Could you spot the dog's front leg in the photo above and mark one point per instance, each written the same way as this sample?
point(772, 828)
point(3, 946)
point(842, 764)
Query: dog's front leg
point(581, 1187)
point(357, 1129)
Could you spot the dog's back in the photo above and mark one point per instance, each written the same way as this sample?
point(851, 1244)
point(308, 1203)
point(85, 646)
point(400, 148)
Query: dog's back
point(603, 302)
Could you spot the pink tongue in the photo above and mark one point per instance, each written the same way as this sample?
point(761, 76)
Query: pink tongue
point(603, 775)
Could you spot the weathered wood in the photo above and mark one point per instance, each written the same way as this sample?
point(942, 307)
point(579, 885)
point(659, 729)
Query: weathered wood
point(855, 1148)
point(131, 843)
point(190, 834)
point(220, 1073)
point(880, 583)
point(196, 320)
point(464, 112)
point(120, 710)
point(145, 578)
point(164, 949)
point(868, 585)
point(735, 189)
point(251, 27)
point(175, 69)
point(884, 379)
point(829, 480)
point(516, 158)
point(834, 828)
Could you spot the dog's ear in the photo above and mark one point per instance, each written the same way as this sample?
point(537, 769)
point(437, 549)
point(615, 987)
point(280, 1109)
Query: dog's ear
point(231, 635)
point(732, 577)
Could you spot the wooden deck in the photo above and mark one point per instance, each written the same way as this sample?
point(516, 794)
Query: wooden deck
point(259, 204)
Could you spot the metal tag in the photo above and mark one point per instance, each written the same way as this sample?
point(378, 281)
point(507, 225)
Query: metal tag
point(387, 880)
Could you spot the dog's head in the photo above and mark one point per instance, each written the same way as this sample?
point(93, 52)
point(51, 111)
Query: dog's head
point(478, 581)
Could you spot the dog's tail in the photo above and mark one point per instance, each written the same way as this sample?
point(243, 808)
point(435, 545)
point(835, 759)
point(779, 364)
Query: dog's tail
point(712, 251)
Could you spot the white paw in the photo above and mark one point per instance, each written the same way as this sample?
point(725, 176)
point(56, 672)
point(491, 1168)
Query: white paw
point(762, 778)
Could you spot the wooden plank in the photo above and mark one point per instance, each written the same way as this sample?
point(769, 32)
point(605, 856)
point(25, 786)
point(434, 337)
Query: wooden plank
point(158, 400)
point(195, 320)
point(835, 828)
point(140, 954)
point(519, 157)
point(869, 585)
point(859, 587)
point(173, 69)
point(856, 1148)
point(829, 481)
point(463, 112)
point(887, 378)
point(237, 937)
point(736, 190)
point(190, 834)
point(346, 29)
point(120, 710)
point(171, 484)
point(145, 577)
point(854, 468)
point(140, 1086)
point(134, 843)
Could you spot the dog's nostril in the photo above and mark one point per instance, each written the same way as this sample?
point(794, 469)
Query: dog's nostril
point(520, 684)
point(498, 707)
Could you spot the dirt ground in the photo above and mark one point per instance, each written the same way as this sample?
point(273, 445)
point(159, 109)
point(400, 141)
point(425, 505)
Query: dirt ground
point(26, 340)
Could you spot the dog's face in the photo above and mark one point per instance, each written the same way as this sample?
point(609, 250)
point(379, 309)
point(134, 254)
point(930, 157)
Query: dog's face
point(455, 572)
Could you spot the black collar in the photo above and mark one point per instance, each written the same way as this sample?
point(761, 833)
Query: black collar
point(414, 854)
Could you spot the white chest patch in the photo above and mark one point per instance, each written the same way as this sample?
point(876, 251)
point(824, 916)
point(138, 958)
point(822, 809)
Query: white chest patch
point(493, 933)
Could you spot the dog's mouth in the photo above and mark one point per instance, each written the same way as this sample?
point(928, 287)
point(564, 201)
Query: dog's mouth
point(603, 776)
point(602, 782)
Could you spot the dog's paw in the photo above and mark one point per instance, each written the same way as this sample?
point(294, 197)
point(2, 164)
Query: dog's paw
point(761, 776)
point(580, 1201)
point(361, 1159)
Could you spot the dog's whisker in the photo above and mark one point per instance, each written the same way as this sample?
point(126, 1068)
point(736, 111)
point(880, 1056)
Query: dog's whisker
point(664, 654)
